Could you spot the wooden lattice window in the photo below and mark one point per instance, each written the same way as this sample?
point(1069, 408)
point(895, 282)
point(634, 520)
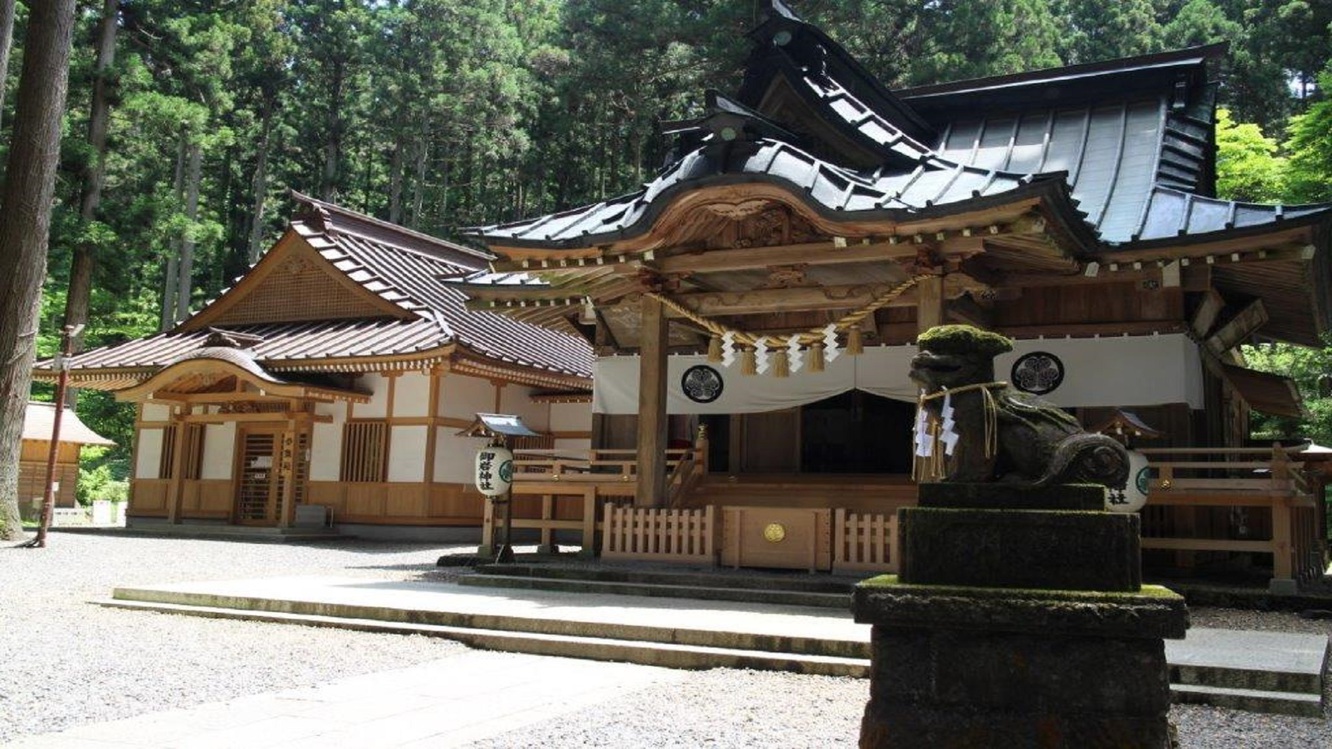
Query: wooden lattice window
point(364, 451)
point(192, 465)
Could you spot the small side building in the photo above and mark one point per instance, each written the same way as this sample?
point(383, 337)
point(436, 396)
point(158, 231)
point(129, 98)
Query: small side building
point(37, 428)
point(335, 377)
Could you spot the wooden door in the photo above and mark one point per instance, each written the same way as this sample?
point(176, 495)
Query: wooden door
point(770, 442)
point(259, 486)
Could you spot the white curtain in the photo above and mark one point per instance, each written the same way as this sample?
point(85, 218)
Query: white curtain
point(1125, 371)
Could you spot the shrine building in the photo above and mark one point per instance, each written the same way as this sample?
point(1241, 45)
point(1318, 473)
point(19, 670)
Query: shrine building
point(758, 299)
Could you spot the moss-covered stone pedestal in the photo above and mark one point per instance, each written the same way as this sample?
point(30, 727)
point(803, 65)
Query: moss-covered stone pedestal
point(1018, 620)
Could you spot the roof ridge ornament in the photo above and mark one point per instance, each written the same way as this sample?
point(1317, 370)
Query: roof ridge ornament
point(222, 338)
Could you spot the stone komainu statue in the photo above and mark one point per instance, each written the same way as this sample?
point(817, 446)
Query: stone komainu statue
point(999, 433)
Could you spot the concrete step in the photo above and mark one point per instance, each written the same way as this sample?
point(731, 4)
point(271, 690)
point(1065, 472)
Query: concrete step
point(669, 655)
point(183, 602)
point(262, 534)
point(1253, 700)
point(841, 601)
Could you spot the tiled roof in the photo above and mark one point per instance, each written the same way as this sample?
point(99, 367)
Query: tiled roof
point(830, 188)
point(398, 265)
point(40, 418)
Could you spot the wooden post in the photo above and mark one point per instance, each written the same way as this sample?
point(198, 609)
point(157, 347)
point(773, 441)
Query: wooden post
point(930, 303)
point(286, 468)
point(589, 549)
point(175, 493)
point(651, 489)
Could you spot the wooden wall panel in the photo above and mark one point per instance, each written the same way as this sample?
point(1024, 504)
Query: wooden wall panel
point(405, 501)
point(148, 497)
point(456, 501)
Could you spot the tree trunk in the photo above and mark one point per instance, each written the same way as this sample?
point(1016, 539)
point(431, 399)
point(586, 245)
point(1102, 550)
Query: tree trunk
point(260, 188)
point(83, 262)
point(170, 276)
point(6, 40)
point(25, 224)
point(395, 183)
point(418, 189)
point(186, 283)
point(333, 149)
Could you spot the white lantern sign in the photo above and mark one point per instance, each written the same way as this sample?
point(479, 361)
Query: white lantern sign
point(494, 470)
point(1134, 495)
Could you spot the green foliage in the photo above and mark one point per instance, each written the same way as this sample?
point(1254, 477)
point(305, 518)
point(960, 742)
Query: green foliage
point(1310, 147)
point(1306, 366)
point(1247, 167)
point(101, 477)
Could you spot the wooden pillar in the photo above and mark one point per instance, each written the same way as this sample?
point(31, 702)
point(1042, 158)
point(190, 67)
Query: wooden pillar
point(286, 468)
point(175, 489)
point(930, 303)
point(651, 490)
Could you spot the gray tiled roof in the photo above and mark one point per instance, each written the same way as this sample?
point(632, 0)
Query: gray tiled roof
point(833, 189)
point(398, 265)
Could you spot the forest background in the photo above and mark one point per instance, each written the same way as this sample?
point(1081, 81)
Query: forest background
point(189, 120)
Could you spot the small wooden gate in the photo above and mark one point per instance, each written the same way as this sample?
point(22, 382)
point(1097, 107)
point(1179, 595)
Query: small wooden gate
point(258, 483)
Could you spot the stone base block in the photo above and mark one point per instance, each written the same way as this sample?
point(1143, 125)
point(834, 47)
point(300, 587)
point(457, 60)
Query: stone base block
point(1050, 550)
point(1087, 497)
point(911, 727)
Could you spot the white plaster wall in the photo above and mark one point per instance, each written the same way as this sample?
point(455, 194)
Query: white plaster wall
point(377, 408)
point(150, 454)
point(156, 412)
point(411, 396)
point(455, 457)
point(326, 442)
point(571, 417)
point(219, 445)
point(463, 397)
point(517, 399)
point(407, 446)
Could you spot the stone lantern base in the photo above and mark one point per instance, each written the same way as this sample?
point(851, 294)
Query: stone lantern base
point(1012, 626)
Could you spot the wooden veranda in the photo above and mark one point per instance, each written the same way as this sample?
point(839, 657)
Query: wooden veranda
point(1205, 505)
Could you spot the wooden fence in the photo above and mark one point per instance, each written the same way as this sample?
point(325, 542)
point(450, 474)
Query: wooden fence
point(864, 542)
point(658, 534)
point(1224, 501)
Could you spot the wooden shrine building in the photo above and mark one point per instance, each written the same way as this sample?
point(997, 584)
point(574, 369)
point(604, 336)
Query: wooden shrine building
point(334, 383)
point(36, 451)
point(769, 282)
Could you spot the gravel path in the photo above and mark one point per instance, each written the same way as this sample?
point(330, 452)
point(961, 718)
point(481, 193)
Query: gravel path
point(73, 663)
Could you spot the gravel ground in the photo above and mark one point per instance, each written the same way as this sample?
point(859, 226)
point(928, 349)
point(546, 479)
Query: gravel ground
point(78, 663)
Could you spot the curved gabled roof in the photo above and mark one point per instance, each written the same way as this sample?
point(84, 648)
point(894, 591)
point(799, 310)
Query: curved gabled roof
point(932, 186)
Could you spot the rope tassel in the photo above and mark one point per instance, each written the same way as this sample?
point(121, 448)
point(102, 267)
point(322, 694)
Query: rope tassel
point(855, 346)
point(748, 362)
point(781, 364)
point(816, 360)
point(715, 349)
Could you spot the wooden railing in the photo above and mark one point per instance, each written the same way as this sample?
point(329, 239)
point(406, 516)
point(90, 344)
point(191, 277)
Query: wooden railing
point(1228, 500)
point(659, 534)
point(563, 490)
point(864, 542)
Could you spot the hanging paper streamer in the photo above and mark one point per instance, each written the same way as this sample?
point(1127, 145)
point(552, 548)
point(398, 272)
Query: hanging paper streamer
point(796, 356)
point(761, 356)
point(728, 348)
point(947, 434)
point(924, 440)
point(830, 352)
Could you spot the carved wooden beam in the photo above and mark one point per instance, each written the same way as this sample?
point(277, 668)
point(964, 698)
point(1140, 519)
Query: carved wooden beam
point(964, 309)
point(814, 253)
point(1240, 327)
point(810, 298)
point(1209, 309)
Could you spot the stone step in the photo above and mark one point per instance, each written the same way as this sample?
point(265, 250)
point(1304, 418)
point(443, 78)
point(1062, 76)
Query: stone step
point(733, 635)
point(1262, 680)
point(1253, 700)
point(713, 578)
point(669, 655)
point(839, 601)
point(803, 646)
